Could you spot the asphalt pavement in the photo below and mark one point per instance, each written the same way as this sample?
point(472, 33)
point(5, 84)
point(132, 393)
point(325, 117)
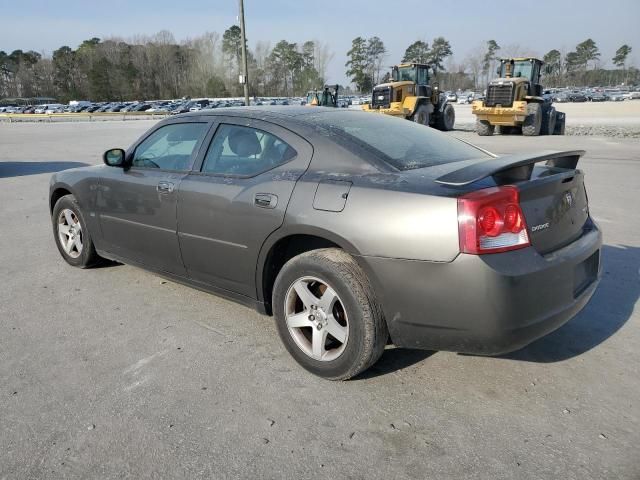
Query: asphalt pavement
point(117, 373)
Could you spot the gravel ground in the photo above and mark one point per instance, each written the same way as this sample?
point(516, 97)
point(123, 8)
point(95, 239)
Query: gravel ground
point(608, 119)
point(616, 131)
point(117, 373)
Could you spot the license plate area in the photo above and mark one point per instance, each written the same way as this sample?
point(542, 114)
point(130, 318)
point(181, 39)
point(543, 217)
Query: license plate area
point(585, 273)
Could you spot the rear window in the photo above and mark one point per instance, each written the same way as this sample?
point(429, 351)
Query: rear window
point(402, 144)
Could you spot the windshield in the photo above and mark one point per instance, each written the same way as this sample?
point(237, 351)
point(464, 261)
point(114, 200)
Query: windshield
point(520, 69)
point(402, 144)
point(406, 74)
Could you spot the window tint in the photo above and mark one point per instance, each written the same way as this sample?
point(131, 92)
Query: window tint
point(402, 144)
point(237, 150)
point(170, 147)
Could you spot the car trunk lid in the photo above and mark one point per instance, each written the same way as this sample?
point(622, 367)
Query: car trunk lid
point(555, 208)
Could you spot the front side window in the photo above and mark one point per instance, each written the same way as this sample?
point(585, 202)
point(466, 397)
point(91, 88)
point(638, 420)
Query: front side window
point(245, 151)
point(423, 78)
point(170, 147)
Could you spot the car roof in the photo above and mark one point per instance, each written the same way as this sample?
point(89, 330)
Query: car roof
point(259, 112)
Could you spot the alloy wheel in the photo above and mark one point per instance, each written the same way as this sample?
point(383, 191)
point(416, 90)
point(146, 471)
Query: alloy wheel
point(316, 319)
point(70, 233)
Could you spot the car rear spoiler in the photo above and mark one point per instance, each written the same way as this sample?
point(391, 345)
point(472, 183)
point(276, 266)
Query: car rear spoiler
point(509, 168)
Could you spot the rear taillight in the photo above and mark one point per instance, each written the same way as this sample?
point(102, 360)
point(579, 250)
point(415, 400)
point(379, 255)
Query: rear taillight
point(491, 220)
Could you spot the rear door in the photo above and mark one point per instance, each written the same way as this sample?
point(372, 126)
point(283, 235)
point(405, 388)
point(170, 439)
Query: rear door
point(137, 205)
point(235, 198)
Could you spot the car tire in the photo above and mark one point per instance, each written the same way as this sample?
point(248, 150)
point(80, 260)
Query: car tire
point(533, 121)
point(71, 234)
point(421, 115)
point(337, 298)
point(484, 128)
point(446, 118)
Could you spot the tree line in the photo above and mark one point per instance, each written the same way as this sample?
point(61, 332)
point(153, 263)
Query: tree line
point(580, 67)
point(158, 67)
point(154, 67)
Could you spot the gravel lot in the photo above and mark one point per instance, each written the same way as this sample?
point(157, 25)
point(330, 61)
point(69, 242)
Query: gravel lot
point(114, 372)
point(611, 119)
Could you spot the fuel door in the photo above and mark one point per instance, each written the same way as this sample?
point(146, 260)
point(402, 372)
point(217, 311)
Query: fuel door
point(331, 195)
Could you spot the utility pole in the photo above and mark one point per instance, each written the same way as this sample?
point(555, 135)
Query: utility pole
point(244, 79)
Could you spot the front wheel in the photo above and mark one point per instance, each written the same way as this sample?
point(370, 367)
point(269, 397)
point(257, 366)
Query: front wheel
point(447, 118)
point(421, 115)
point(327, 315)
point(71, 234)
point(484, 128)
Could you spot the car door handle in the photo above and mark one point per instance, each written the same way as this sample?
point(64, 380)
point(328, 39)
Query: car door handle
point(265, 200)
point(165, 187)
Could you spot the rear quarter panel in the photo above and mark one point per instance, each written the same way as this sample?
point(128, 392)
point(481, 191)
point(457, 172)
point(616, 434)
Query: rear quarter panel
point(379, 220)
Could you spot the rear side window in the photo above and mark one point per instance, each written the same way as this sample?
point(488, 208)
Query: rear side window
point(245, 151)
point(402, 144)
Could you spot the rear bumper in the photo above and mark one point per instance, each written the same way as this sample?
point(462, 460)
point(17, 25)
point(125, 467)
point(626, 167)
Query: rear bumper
point(490, 304)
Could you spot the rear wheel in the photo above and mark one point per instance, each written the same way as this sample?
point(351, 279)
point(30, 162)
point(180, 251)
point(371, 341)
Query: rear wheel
point(484, 128)
point(72, 235)
point(447, 118)
point(327, 315)
point(533, 121)
point(559, 126)
point(548, 122)
point(421, 115)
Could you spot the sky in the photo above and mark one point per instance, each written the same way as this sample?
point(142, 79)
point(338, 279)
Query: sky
point(538, 26)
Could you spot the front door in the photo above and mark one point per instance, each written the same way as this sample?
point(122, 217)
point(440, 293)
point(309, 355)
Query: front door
point(239, 196)
point(137, 204)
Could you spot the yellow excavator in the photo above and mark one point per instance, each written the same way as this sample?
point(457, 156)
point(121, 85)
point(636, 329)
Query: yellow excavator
point(410, 95)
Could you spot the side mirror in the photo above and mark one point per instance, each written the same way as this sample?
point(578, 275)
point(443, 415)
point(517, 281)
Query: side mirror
point(114, 157)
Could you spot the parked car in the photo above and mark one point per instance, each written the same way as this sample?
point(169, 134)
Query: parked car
point(180, 108)
point(634, 95)
point(561, 97)
point(467, 254)
point(576, 96)
point(465, 97)
point(615, 95)
point(597, 97)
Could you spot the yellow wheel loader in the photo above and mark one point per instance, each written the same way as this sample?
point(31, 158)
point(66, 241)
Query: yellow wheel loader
point(409, 95)
point(514, 102)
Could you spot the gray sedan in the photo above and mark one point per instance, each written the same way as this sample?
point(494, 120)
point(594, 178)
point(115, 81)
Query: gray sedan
point(353, 230)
